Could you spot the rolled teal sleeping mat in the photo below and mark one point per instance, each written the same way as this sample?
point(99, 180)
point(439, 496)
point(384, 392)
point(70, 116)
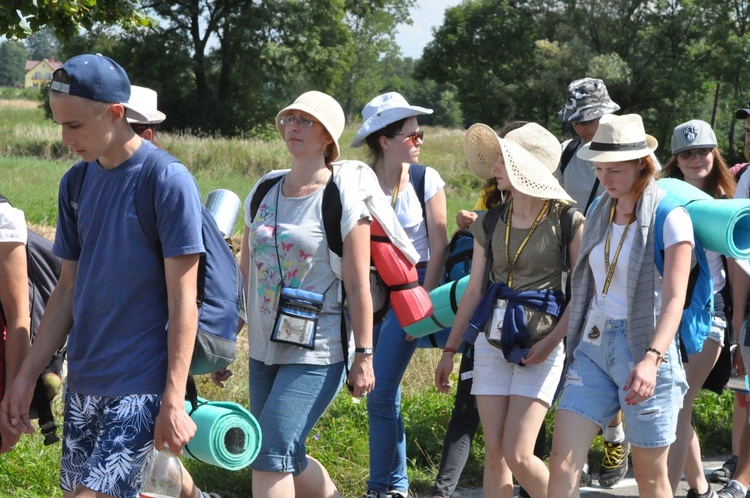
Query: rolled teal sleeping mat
point(721, 225)
point(228, 436)
point(445, 301)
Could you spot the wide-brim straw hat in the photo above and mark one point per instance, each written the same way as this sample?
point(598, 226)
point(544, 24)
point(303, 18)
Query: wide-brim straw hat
point(619, 138)
point(143, 100)
point(531, 154)
point(324, 109)
point(383, 110)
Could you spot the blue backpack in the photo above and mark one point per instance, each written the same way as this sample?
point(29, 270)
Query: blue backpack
point(219, 279)
point(699, 300)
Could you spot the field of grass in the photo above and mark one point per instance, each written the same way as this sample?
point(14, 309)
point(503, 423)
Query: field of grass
point(32, 162)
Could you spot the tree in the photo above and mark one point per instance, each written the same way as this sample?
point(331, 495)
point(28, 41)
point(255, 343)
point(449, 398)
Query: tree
point(21, 18)
point(43, 44)
point(12, 63)
point(484, 48)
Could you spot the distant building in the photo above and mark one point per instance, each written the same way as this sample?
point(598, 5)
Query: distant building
point(40, 72)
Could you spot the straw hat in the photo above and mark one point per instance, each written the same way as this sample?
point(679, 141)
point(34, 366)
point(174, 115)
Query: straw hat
point(143, 100)
point(620, 138)
point(384, 110)
point(531, 154)
point(324, 109)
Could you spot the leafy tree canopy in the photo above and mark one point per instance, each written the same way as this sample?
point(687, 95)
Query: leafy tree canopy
point(21, 18)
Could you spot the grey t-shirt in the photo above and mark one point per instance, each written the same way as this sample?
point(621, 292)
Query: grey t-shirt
point(303, 260)
point(578, 179)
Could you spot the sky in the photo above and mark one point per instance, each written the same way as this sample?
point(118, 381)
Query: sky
point(425, 15)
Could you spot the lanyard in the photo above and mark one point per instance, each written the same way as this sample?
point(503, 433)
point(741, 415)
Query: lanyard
point(394, 194)
point(609, 269)
point(525, 239)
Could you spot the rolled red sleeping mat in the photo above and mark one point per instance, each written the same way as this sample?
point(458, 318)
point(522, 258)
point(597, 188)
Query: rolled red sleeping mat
point(410, 301)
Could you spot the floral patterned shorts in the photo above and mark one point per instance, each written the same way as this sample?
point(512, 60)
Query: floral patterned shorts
point(106, 440)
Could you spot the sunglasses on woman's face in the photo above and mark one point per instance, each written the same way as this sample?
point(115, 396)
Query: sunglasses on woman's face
point(414, 136)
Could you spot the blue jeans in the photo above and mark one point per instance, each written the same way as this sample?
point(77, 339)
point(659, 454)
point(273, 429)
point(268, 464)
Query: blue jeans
point(287, 401)
point(594, 388)
point(387, 435)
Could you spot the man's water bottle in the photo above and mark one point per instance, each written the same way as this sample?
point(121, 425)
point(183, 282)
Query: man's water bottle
point(162, 476)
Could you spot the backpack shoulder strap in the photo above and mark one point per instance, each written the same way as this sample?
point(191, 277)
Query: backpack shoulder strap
point(260, 192)
point(332, 212)
point(75, 183)
point(567, 214)
point(4, 200)
point(740, 172)
point(145, 193)
point(490, 221)
point(417, 174)
point(567, 154)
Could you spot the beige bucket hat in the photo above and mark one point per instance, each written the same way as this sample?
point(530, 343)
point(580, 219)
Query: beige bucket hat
point(531, 154)
point(325, 109)
point(619, 138)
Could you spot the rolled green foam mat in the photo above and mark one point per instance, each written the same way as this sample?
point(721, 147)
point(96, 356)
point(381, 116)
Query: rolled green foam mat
point(445, 301)
point(721, 225)
point(228, 436)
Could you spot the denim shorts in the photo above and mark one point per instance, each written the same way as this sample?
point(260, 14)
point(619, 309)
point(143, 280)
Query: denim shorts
point(287, 401)
point(594, 389)
point(495, 376)
point(106, 440)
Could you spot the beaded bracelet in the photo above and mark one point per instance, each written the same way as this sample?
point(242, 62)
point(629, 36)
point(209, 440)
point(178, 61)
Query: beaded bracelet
point(659, 356)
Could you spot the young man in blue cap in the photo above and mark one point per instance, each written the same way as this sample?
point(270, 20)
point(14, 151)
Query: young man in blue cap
point(132, 309)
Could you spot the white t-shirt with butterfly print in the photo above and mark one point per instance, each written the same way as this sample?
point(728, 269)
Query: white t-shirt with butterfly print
point(294, 226)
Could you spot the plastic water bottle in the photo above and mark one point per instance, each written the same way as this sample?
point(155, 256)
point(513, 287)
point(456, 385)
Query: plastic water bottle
point(162, 476)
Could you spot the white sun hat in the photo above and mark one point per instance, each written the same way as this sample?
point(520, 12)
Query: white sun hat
point(382, 111)
point(143, 101)
point(323, 108)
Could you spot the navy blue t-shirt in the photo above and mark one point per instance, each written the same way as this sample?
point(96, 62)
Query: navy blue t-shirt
point(118, 343)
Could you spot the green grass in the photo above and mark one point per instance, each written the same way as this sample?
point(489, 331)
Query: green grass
point(32, 161)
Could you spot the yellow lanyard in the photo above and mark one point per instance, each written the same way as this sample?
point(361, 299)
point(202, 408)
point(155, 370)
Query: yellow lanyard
point(609, 269)
point(394, 195)
point(525, 239)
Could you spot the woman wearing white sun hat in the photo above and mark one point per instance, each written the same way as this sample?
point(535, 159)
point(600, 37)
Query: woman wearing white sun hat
point(624, 317)
point(518, 361)
point(391, 132)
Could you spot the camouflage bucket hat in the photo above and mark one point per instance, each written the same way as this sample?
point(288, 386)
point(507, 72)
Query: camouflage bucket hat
point(587, 99)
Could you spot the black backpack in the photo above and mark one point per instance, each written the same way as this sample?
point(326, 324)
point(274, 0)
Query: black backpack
point(43, 269)
point(458, 255)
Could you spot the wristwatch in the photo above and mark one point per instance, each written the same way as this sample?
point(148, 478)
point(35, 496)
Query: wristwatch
point(364, 351)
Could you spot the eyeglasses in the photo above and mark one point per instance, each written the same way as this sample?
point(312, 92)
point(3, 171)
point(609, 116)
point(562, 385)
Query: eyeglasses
point(413, 136)
point(302, 122)
point(687, 154)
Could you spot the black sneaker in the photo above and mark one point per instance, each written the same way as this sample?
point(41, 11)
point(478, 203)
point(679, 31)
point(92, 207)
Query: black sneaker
point(371, 493)
point(585, 480)
point(732, 490)
point(693, 493)
point(614, 464)
point(726, 472)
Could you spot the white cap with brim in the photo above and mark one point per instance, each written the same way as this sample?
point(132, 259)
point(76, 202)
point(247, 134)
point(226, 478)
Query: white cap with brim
point(143, 101)
point(384, 110)
point(620, 138)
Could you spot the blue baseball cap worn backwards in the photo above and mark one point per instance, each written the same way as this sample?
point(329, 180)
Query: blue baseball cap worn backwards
point(97, 77)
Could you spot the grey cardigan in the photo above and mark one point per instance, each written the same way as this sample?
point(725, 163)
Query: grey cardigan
point(640, 281)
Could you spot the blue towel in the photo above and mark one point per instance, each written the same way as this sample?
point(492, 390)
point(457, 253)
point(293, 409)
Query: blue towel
point(515, 333)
